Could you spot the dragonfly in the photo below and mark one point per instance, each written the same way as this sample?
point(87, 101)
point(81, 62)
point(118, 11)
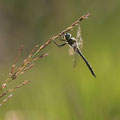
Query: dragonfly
point(76, 44)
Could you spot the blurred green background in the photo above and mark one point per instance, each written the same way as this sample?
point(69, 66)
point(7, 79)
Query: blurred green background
point(57, 91)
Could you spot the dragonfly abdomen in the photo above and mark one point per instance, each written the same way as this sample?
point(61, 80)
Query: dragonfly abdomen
point(90, 68)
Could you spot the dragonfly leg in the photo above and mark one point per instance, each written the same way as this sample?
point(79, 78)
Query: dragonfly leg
point(60, 45)
point(62, 40)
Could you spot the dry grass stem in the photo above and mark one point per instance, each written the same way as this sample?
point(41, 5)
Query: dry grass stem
point(27, 68)
point(19, 53)
point(28, 62)
point(11, 90)
point(31, 53)
point(5, 100)
point(63, 32)
point(37, 58)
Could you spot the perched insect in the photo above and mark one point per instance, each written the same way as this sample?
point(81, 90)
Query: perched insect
point(75, 44)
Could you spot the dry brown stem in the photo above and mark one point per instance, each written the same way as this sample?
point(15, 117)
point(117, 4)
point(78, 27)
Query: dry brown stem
point(28, 62)
point(63, 32)
point(5, 100)
point(11, 90)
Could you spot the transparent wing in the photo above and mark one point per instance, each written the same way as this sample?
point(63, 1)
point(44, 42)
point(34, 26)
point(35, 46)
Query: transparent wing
point(80, 45)
point(75, 57)
point(79, 38)
point(75, 60)
point(71, 51)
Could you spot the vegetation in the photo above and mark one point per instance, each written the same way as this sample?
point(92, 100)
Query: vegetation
point(57, 91)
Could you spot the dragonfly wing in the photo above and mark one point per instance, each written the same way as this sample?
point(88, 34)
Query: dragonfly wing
point(79, 37)
point(75, 60)
point(75, 56)
point(71, 51)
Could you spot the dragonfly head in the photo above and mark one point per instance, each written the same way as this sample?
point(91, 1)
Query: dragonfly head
point(67, 36)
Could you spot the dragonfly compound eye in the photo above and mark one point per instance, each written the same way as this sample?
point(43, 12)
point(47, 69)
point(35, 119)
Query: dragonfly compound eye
point(68, 36)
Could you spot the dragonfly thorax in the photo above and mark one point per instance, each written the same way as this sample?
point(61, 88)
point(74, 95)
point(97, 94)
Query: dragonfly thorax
point(69, 39)
point(72, 41)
